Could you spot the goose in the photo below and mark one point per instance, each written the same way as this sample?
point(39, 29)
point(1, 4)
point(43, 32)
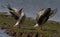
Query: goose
point(43, 15)
point(18, 15)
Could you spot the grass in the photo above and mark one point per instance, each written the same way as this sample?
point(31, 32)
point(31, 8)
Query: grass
point(51, 26)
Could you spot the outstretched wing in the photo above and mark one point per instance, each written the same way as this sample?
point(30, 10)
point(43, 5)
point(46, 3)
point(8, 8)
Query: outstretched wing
point(13, 15)
point(12, 11)
point(53, 12)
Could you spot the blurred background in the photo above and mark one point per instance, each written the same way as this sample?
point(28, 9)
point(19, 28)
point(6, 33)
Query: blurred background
point(31, 7)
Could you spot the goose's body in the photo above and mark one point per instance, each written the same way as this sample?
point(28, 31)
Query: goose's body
point(43, 16)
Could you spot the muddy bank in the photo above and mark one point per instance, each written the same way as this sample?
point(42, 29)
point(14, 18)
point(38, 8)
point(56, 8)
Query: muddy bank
point(12, 32)
point(30, 32)
point(3, 27)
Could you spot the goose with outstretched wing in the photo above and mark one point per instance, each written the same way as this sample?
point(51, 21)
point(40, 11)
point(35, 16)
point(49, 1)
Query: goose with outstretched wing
point(43, 15)
point(17, 14)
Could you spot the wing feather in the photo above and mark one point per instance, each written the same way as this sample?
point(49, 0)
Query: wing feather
point(14, 14)
point(53, 12)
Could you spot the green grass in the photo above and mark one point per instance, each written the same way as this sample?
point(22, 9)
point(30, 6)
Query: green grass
point(51, 26)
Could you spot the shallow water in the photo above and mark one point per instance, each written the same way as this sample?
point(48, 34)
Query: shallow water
point(3, 34)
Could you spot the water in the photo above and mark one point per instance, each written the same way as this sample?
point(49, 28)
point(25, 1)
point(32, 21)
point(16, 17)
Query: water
point(3, 34)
